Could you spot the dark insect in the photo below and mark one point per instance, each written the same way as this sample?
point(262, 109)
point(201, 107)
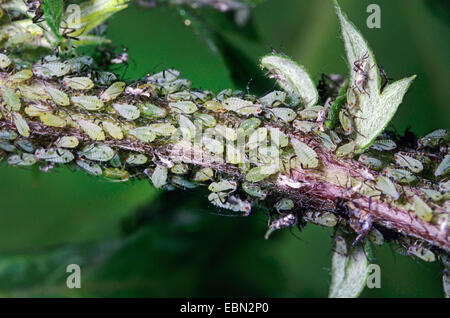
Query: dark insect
point(283, 222)
point(35, 6)
point(384, 78)
point(360, 66)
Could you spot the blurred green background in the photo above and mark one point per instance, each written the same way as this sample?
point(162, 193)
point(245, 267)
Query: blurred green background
point(133, 241)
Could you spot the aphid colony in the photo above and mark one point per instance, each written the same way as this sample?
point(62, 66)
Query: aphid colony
point(113, 129)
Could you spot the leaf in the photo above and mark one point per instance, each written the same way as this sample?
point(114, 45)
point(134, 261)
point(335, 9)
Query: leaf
point(53, 11)
point(292, 77)
point(374, 110)
point(349, 270)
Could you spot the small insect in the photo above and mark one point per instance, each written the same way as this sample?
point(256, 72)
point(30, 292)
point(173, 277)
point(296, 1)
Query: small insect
point(361, 76)
point(11, 99)
point(180, 169)
point(241, 106)
point(273, 99)
point(51, 120)
point(113, 129)
point(408, 162)
point(152, 111)
point(116, 174)
point(60, 98)
point(327, 141)
point(223, 201)
point(346, 121)
point(399, 175)
point(383, 145)
point(51, 69)
point(254, 190)
point(444, 167)
point(87, 102)
point(214, 106)
point(54, 155)
point(249, 125)
point(129, 112)
point(421, 252)
point(34, 92)
point(113, 91)
point(360, 220)
point(97, 152)
point(431, 194)
point(213, 145)
point(25, 159)
point(7, 134)
point(305, 154)
point(21, 76)
point(21, 124)
point(259, 173)
point(422, 210)
point(35, 110)
point(94, 131)
point(444, 186)
point(187, 127)
point(285, 221)
point(206, 120)
point(183, 107)
point(67, 142)
point(179, 96)
point(159, 176)
point(376, 237)
point(103, 78)
point(204, 174)
point(6, 146)
point(371, 162)
point(385, 185)
point(227, 132)
point(222, 186)
point(346, 149)
point(162, 129)
point(283, 113)
point(310, 113)
point(181, 182)
point(164, 76)
point(433, 139)
point(5, 61)
point(284, 205)
point(90, 167)
point(304, 126)
point(78, 63)
point(78, 83)
point(145, 134)
point(319, 218)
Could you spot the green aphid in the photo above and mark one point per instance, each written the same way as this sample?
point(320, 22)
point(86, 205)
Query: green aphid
point(346, 149)
point(383, 145)
point(183, 107)
point(177, 85)
point(254, 190)
point(444, 167)
point(78, 83)
point(67, 142)
point(136, 159)
point(346, 122)
point(180, 168)
point(34, 92)
point(278, 137)
point(304, 126)
point(335, 137)
point(249, 125)
point(36, 110)
point(370, 162)
point(422, 210)
point(90, 167)
point(206, 120)
point(55, 155)
point(305, 154)
point(319, 218)
point(57, 69)
point(5, 61)
point(241, 106)
point(399, 175)
point(408, 162)
point(129, 112)
point(88, 102)
point(7, 134)
point(273, 99)
point(213, 145)
point(94, 131)
point(21, 76)
point(113, 91)
point(327, 141)
point(51, 120)
point(21, 124)
point(187, 127)
point(375, 236)
point(433, 139)
point(385, 185)
point(164, 76)
point(421, 252)
point(283, 113)
point(284, 205)
point(162, 129)
point(224, 94)
point(116, 174)
point(97, 152)
point(6, 146)
point(232, 203)
point(159, 176)
point(144, 134)
point(25, 159)
point(113, 129)
point(104, 78)
point(152, 111)
point(201, 96)
point(257, 138)
point(179, 96)
point(25, 144)
point(181, 182)
point(431, 194)
point(310, 113)
point(116, 161)
point(222, 186)
point(227, 132)
point(203, 175)
point(76, 64)
point(257, 174)
point(214, 106)
point(11, 99)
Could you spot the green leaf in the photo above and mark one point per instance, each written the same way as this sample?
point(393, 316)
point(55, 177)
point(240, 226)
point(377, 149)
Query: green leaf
point(371, 110)
point(53, 11)
point(333, 114)
point(349, 270)
point(292, 77)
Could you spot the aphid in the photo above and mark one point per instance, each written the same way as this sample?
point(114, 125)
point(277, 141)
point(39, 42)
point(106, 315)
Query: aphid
point(87, 102)
point(405, 161)
point(163, 76)
point(21, 124)
point(185, 184)
point(51, 120)
point(319, 218)
point(67, 142)
point(159, 177)
point(204, 174)
point(444, 167)
point(305, 154)
point(34, 92)
point(327, 142)
point(310, 112)
point(187, 127)
point(5, 61)
point(90, 167)
point(223, 185)
point(104, 78)
point(361, 76)
point(145, 134)
point(431, 194)
point(346, 122)
point(283, 113)
point(273, 99)
point(184, 107)
point(399, 175)
point(97, 152)
point(383, 145)
point(50, 69)
point(129, 112)
point(113, 91)
point(54, 155)
point(11, 99)
point(180, 168)
point(422, 210)
point(285, 221)
point(120, 175)
point(421, 252)
point(254, 190)
point(241, 106)
point(201, 96)
point(34, 110)
point(115, 161)
point(60, 98)
point(213, 106)
point(227, 132)
point(335, 137)
point(25, 159)
point(257, 174)
point(360, 220)
point(284, 205)
point(371, 162)
point(206, 120)
point(152, 111)
point(177, 85)
point(113, 129)
point(213, 145)
point(433, 139)
point(223, 201)
point(224, 94)
point(278, 137)
point(304, 126)
point(25, 144)
point(162, 129)
point(78, 83)
point(7, 134)
point(444, 186)
point(76, 64)
point(376, 237)
point(136, 159)
point(21, 76)
point(6, 146)
point(136, 92)
point(249, 125)
point(94, 131)
point(179, 96)
point(385, 185)
point(346, 149)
